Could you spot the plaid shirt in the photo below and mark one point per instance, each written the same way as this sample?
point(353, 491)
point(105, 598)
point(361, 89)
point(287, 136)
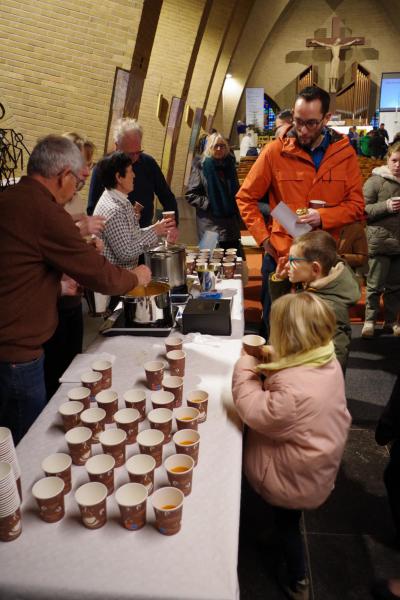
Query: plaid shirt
point(123, 239)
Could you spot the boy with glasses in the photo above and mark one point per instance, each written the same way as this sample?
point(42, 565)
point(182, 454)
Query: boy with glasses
point(307, 162)
point(313, 265)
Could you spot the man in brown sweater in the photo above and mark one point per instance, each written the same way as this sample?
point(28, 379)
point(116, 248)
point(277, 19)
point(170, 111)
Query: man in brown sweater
point(38, 243)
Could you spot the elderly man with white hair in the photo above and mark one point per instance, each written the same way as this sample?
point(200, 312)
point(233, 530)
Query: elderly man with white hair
point(39, 242)
point(149, 179)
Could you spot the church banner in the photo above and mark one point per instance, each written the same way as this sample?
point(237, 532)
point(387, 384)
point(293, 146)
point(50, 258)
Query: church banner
point(255, 107)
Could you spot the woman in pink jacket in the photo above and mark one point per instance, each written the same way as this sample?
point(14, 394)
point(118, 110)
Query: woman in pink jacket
point(297, 418)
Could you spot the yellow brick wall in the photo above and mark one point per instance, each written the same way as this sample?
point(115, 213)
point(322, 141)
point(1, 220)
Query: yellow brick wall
point(57, 63)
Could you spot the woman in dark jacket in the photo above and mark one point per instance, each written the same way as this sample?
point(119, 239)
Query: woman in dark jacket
point(213, 184)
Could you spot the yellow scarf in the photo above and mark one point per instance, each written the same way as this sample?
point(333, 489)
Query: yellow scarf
point(313, 358)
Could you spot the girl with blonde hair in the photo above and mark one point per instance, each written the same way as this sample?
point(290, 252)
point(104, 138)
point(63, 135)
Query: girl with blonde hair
point(295, 409)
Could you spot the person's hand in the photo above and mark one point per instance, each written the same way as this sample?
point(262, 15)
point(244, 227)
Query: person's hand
point(393, 205)
point(70, 287)
point(138, 209)
point(162, 227)
point(98, 244)
point(143, 274)
point(267, 353)
point(269, 249)
point(172, 235)
point(312, 218)
point(282, 267)
point(91, 225)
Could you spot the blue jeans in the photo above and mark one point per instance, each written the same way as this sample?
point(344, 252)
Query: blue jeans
point(22, 395)
point(268, 267)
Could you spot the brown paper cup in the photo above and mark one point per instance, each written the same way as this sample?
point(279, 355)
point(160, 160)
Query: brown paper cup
point(49, 495)
point(91, 498)
point(179, 469)
point(162, 399)
point(168, 506)
point(132, 499)
point(92, 381)
point(128, 420)
point(95, 419)
point(101, 468)
point(80, 394)
point(317, 203)
point(105, 368)
point(151, 442)
point(136, 399)
point(154, 373)
point(10, 526)
point(113, 441)
point(71, 414)
point(161, 419)
point(187, 441)
point(176, 360)
point(174, 384)
point(186, 417)
point(141, 470)
point(79, 440)
point(59, 465)
point(199, 399)
point(252, 345)
point(228, 270)
point(174, 342)
point(108, 401)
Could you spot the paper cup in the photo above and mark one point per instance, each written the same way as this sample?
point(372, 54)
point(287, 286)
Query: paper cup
point(80, 394)
point(228, 269)
point(162, 399)
point(151, 442)
point(92, 381)
point(100, 468)
point(174, 385)
point(173, 342)
point(161, 419)
point(49, 495)
point(231, 251)
point(59, 465)
point(128, 420)
point(95, 419)
point(317, 204)
point(252, 345)
point(136, 399)
point(8, 454)
point(10, 526)
point(113, 441)
point(187, 441)
point(79, 440)
point(179, 469)
point(108, 400)
point(71, 414)
point(186, 417)
point(132, 499)
point(105, 368)
point(176, 360)
point(199, 399)
point(168, 506)
point(141, 470)
point(154, 373)
point(91, 499)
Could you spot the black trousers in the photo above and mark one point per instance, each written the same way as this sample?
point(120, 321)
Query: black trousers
point(288, 527)
point(62, 347)
point(391, 478)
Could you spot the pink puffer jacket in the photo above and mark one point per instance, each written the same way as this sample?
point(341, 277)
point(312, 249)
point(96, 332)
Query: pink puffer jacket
point(298, 423)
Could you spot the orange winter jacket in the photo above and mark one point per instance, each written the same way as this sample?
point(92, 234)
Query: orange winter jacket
point(287, 172)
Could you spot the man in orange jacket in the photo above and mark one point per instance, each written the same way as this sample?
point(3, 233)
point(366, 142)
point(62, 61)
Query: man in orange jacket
point(307, 162)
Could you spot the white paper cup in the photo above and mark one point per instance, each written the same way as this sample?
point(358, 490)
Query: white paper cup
point(186, 417)
point(136, 398)
point(141, 470)
point(151, 442)
point(252, 345)
point(173, 342)
point(199, 399)
point(176, 360)
point(105, 368)
point(79, 444)
point(108, 400)
point(168, 504)
point(95, 419)
point(100, 468)
point(174, 384)
point(49, 495)
point(70, 414)
point(162, 399)
point(128, 419)
point(161, 419)
point(187, 441)
point(92, 380)
point(113, 441)
point(81, 394)
point(179, 468)
point(154, 373)
point(91, 498)
point(132, 499)
point(59, 465)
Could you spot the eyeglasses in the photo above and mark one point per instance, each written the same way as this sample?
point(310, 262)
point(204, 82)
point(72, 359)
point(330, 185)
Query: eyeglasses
point(220, 146)
point(294, 259)
point(310, 123)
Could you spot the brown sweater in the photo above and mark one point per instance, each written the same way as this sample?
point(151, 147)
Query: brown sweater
point(39, 242)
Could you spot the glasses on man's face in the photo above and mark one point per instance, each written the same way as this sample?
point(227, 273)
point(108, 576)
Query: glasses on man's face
point(309, 123)
point(79, 182)
point(294, 259)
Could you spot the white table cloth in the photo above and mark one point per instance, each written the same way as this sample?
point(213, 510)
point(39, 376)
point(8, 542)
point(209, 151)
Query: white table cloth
point(66, 561)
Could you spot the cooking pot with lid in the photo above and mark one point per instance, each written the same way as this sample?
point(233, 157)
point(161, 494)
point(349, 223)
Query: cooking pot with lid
point(167, 263)
point(148, 306)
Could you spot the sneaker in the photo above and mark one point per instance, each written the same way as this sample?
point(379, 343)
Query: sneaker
point(299, 591)
point(368, 329)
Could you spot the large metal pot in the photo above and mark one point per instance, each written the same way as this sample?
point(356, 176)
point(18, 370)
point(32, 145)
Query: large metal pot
point(167, 263)
point(148, 306)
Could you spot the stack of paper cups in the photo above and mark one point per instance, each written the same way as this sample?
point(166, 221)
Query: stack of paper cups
point(10, 515)
point(9, 455)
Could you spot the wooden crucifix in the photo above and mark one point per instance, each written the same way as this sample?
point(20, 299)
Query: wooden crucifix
point(335, 43)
